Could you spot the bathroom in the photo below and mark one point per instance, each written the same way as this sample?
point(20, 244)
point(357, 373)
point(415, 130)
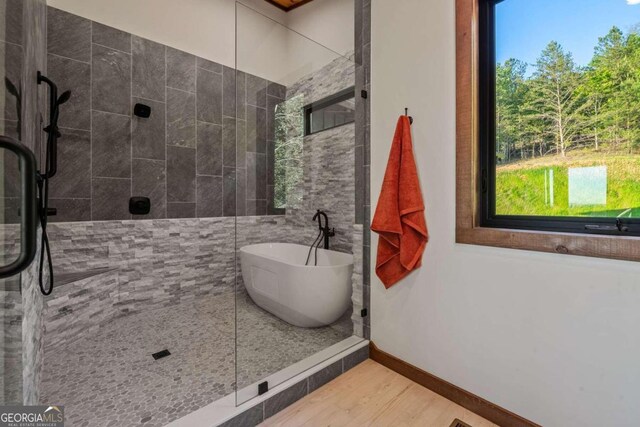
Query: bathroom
point(202, 175)
point(319, 212)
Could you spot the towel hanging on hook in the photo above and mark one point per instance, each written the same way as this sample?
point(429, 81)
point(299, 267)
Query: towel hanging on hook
point(406, 113)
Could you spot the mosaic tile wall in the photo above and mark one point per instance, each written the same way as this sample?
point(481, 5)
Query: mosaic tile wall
point(329, 184)
point(183, 157)
point(33, 333)
point(328, 159)
point(358, 298)
point(79, 309)
point(160, 262)
point(144, 265)
point(11, 347)
point(334, 77)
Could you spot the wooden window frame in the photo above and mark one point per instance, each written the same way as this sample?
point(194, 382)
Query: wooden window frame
point(468, 174)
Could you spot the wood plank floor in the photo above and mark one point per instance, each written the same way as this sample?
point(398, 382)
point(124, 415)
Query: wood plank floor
point(373, 395)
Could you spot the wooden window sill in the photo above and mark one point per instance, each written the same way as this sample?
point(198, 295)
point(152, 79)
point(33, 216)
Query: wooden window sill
point(602, 246)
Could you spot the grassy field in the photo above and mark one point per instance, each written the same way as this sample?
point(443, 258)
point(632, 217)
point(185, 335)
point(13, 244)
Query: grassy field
point(522, 188)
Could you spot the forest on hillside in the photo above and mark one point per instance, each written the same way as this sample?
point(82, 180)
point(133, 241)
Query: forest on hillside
point(556, 106)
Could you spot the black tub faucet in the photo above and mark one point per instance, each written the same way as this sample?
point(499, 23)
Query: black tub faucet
point(326, 231)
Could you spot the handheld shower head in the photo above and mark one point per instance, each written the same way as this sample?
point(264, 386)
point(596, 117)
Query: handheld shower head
point(64, 97)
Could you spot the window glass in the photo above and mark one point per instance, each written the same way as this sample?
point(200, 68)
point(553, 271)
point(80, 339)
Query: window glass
point(566, 104)
point(333, 111)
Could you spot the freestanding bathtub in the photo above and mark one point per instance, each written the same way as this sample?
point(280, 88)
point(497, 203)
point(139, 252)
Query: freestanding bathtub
point(278, 280)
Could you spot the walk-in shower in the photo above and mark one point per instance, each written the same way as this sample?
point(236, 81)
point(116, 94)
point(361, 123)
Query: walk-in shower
point(183, 142)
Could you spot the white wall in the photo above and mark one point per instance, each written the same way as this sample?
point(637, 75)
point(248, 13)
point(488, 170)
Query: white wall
point(323, 30)
point(271, 50)
point(553, 338)
point(330, 22)
point(207, 28)
point(261, 45)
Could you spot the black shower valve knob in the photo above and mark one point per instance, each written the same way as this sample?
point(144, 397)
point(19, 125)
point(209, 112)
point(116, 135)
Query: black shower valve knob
point(139, 205)
point(141, 110)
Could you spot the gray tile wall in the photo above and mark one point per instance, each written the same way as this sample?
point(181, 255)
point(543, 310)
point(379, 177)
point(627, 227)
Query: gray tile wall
point(149, 264)
point(79, 308)
point(11, 52)
point(165, 261)
point(329, 184)
point(358, 295)
point(183, 157)
point(21, 337)
point(33, 103)
point(108, 71)
point(11, 347)
point(11, 319)
point(328, 159)
point(161, 262)
point(32, 333)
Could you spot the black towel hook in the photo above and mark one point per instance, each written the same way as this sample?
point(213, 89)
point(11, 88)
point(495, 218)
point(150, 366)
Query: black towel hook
point(406, 113)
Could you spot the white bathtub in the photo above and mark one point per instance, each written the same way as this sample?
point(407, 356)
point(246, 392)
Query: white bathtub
point(278, 280)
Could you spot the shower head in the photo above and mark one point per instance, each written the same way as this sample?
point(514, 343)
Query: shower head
point(64, 97)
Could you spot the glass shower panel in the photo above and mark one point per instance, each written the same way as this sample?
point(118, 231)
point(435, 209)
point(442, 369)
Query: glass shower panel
point(10, 196)
point(141, 317)
point(10, 298)
point(294, 298)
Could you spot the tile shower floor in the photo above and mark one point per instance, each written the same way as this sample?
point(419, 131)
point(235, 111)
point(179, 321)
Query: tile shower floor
point(110, 378)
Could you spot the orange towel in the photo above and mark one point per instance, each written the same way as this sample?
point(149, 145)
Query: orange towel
point(399, 218)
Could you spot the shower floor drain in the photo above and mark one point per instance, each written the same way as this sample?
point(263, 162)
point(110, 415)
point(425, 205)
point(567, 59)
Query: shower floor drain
point(161, 354)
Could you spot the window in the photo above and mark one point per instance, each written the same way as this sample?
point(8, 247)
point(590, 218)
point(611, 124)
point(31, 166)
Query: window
point(288, 173)
point(331, 112)
point(559, 115)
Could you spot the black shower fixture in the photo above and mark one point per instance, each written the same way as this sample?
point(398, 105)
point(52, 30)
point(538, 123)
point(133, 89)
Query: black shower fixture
point(324, 233)
point(35, 190)
point(43, 177)
point(141, 110)
point(325, 230)
point(139, 205)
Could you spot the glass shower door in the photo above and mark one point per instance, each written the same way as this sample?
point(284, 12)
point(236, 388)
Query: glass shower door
point(11, 198)
point(10, 297)
point(295, 149)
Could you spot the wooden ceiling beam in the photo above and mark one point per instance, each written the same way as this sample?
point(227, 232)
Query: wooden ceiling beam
point(288, 5)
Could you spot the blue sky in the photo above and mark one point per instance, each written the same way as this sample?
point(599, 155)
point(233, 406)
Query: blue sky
point(525, 27)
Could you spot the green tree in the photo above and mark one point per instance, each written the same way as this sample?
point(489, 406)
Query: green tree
point(555, 98)
point(562, 106)
point(606, 75)
point(510, 93)
point(624, 104)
